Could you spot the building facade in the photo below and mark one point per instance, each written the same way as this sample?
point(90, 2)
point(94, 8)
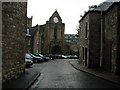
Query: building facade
point(0, 45)
point(36, 41)
point(90, 39)
point(29, 21)
point(30, 39)
point(112, 39)
point(99, 41)
point(14, 24)
point(29, 36)
point(52, 35)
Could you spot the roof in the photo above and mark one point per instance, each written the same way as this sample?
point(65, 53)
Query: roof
point(55, 14)
point(32, 31)
point(103, 6)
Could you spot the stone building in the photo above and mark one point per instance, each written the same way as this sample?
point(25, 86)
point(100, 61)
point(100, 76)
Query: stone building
point(111, 60)
point(29, 36)
point(30, 39)
point(47, 38)
point(29, 21)
point(14, 25)
point(33, 40)
point(52, 35)
point(0, 45)
point(36, 40)
point(102, 44)
point(90, 35)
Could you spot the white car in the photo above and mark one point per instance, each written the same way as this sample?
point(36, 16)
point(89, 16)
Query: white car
point(28, 60)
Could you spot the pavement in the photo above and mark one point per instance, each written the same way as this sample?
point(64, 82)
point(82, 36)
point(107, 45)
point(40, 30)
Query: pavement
point(98, 72)
point(23, 82)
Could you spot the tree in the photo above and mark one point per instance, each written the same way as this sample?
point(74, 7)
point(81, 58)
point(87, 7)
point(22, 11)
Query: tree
point(77, 31)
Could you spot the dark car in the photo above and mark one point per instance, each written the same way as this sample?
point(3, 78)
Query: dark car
point(44, 57)
point(28, 60)
point(36, 58)
point(51, 56)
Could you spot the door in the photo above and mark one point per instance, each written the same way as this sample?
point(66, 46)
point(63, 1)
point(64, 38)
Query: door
point(85, 56)
point(56, 49)
point(107, 55)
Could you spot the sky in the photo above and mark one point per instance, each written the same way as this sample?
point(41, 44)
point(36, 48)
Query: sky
point(69, 10)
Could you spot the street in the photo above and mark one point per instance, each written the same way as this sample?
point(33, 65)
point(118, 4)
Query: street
point(59, 73)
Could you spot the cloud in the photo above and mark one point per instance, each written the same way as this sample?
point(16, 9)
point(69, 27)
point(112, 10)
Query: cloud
point(112, 0)
point(69, 10)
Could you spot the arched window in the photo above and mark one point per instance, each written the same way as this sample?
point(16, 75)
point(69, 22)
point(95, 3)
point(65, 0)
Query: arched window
point(55, 32)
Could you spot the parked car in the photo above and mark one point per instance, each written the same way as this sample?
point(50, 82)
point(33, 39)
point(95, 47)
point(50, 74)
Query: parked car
point(36, 58)
point(72, 56)
point(28, 60)
point(51, 56)
point(44, 57)
point(59, 56)
point(28, 56)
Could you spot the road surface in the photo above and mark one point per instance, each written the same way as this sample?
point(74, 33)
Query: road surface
point(59, 73)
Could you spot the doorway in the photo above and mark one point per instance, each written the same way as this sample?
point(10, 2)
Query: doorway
point(56, 49)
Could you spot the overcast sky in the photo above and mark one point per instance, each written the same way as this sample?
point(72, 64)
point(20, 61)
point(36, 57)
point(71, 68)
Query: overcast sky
point(69, 10)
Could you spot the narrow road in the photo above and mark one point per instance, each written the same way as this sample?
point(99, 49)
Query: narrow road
point(60, 74)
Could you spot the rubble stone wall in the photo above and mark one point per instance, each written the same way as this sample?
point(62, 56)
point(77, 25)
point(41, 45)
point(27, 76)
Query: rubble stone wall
point(112, 34)
point(14, 19)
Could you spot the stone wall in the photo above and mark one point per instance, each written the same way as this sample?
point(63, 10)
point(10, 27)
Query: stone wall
point(111, 35)
point(42, 38)
point(0, 45)
point(29, 21)
point(14, 20)
point(36, 41)
point(94, 39)
point(118, 46)
point(83, 41)
point(49, 41)
point(90, 39)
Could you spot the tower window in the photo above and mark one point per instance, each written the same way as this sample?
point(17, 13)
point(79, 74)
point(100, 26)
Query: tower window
point(55, 32)
point(86, 29)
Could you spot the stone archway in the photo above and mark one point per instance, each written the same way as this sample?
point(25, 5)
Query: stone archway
point(56, 49)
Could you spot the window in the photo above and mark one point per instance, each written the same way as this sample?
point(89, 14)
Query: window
point(29, 42)
point(83, 52)
point(86, 29)
point(37, 42)
point(42, 38)
point(28, 31)
point(55, 32)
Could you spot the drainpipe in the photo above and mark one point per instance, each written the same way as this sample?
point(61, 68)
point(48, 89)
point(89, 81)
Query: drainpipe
point(101, 44)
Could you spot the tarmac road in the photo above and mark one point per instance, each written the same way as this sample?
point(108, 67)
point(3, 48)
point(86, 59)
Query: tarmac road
point(60, 74)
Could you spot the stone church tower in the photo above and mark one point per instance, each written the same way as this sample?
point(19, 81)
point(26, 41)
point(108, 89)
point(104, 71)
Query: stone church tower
point(52, 35)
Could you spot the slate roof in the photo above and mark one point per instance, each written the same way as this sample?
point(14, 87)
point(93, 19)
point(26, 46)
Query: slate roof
point(32, 31)
point(103, 6)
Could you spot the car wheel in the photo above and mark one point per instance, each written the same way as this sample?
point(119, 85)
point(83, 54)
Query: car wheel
point(36, 61)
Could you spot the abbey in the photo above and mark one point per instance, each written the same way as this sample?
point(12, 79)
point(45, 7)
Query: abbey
point(52, 35)
point(47, 38)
